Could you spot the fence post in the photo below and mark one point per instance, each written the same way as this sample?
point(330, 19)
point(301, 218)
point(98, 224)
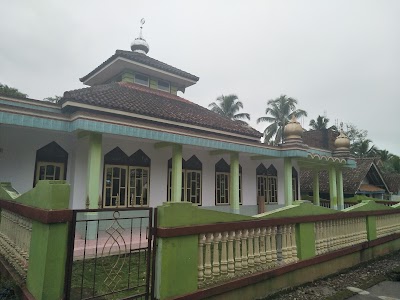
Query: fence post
point(48, 248)
point(177, 257)
point(305, 240)
point(371, 228)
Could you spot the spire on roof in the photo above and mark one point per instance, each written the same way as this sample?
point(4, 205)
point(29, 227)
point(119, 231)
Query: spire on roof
point(139, 44)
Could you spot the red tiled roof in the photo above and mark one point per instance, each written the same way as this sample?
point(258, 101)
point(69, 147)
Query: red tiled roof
point(134, 98)
point(352, 178)
point(393, 182)
point(143, 59)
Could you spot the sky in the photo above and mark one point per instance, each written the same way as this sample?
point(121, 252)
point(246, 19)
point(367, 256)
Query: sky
point(337, 58)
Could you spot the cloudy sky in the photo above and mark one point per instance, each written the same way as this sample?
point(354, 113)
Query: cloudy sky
point(340, 58)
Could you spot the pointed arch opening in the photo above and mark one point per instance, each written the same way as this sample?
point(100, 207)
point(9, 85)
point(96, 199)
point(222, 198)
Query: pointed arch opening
point(191, 180)
point(222, 183)
point(50, 163)
point(267, 188)
point(126, 179)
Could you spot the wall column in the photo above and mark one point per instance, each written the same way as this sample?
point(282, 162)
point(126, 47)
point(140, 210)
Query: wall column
point(339, 183)
point(332, 187)
point(234, 183)
point(176, 184)
point(288, 183)
point(316, 187)
point(94, 170)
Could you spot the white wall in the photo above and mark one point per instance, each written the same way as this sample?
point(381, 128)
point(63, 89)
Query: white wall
point(19, 144)
point(17, 164)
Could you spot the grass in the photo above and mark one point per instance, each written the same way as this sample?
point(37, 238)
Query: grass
point(105, 276)
point(8, 289)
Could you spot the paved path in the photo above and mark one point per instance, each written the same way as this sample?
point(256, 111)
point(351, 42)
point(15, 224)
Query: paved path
point(386, 290)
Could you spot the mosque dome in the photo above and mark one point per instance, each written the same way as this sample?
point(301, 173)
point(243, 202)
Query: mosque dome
point(140, 45)
point(293, 129)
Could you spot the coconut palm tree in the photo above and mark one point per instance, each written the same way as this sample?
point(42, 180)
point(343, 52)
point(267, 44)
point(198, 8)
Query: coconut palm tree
point(362, 149)
point(321, 123)
point(228, 106)
point(278, 112)
point(384, 155)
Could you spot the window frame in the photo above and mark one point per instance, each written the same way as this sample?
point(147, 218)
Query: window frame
point(45, 164)
point(129, 187)
point(184, 185)
point(139, 82)
point(228, 185)
point(117, 201)
point(162, 89)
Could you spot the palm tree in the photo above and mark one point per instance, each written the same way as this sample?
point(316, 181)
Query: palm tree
point(321, 123)
point(228, 106)
point(362, 149)
point(384, 155)
point(278, 113)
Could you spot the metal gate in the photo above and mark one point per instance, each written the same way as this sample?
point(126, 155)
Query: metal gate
point(111, 254)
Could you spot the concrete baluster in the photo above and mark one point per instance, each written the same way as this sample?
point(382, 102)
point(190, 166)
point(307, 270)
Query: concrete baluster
point(224, 261)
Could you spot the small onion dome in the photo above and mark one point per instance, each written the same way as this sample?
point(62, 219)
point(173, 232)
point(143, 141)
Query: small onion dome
point(140, 45)
point(293, 129)
point(342, 141)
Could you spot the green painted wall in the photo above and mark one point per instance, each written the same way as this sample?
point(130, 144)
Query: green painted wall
point(234, 183)
point(128, 77)
point(177, 257)
point(287, 181)
point(153, 84)
point(367, 205)
point(299, 208)
point(176, 176)
point(47, 194)
point(305, 240)
point(332, 187)
point(47, 257)
point(371, 228)
point(48, 247)
point(94, 169)
point(174, 90)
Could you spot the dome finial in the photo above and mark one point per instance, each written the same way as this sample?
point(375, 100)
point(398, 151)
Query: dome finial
point(140, 45)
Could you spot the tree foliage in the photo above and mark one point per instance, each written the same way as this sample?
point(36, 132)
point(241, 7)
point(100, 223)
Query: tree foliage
point(229, 106)
point(5, 90)
point(54, 99)
point(278, 112)
point(321, 123)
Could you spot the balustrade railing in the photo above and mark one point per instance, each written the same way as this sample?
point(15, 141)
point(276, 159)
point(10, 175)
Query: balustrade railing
point(228, 254)
point(332, 235)
point(387, 224)
point(15, 238)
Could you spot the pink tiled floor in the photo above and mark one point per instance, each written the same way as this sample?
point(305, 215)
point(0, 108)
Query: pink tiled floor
point(106, 245)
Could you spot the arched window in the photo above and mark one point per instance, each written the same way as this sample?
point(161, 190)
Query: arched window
point(295, 184)
point(51, 163)
point(267, 183)
point(222, 181)
point(191, 180)
point(126, 179)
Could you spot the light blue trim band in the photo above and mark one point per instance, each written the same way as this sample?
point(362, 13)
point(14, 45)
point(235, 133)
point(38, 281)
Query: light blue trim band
point(101, 127)
point(30, 106)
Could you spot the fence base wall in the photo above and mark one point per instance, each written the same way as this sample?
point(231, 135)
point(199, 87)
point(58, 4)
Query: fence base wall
point(264, 284)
